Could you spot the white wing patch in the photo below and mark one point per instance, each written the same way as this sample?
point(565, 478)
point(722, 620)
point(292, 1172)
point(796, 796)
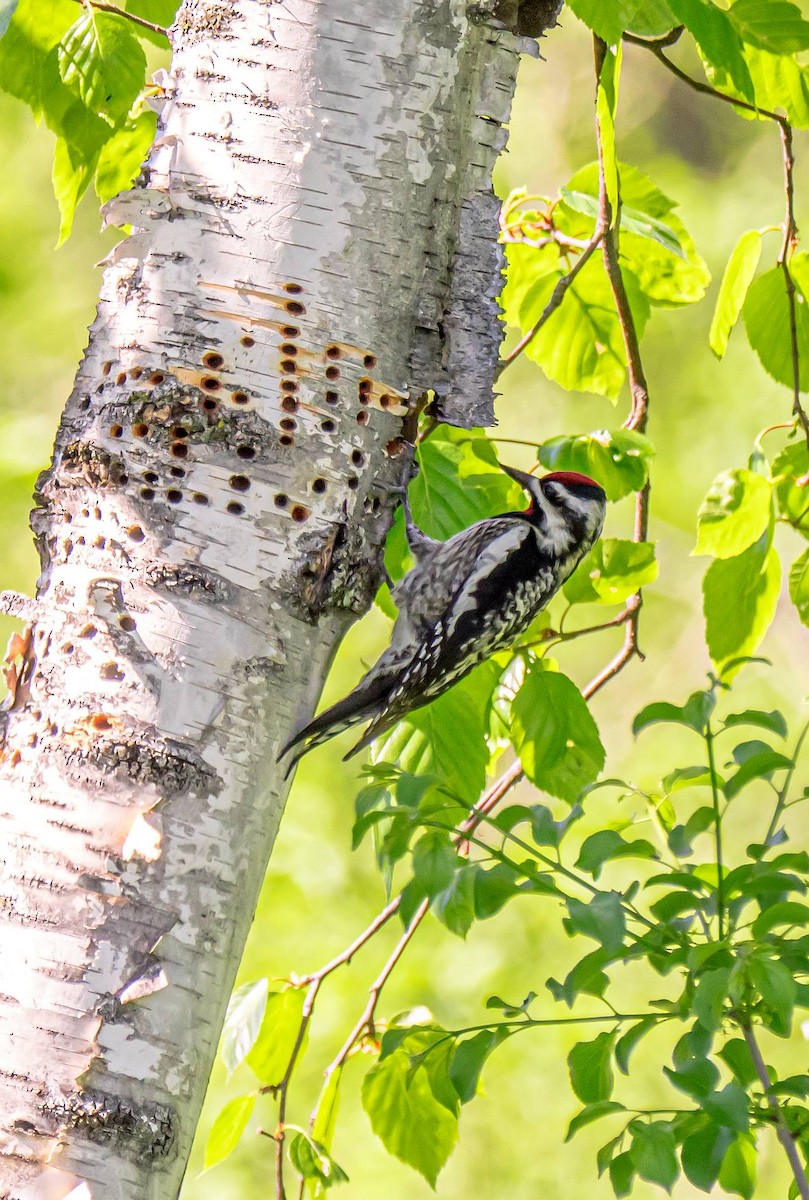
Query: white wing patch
point(492, 556)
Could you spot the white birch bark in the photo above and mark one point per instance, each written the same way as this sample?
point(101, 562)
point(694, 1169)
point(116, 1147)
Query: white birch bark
point(208, 528)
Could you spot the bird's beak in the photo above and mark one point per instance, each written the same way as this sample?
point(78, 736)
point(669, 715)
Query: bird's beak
point(524, 480)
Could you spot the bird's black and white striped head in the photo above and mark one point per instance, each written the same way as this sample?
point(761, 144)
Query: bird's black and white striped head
point(567, 508)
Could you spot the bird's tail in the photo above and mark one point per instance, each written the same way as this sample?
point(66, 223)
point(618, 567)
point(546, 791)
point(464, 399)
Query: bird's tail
point(361, 704)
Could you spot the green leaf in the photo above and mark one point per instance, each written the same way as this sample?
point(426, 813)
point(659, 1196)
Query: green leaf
point(454, 906)
point(740, 595)
point(774, 721)
point(103, 63)
point(314, 1163)
point(663, 277)
point(694, 713)
point(544, 829)
point(607, 845)
point(632, 220)
point(413, 1126)
point(682, 836)
point(758, 766)
point(227, 1130)
point(590, 1113)
point(122, 156)
point(781, 83)
point(459, 482)
point(654, 1152)
point(772, 25)
point(738, 276)
point(622, 1172)
point(434, 862)
point(734, 514)
point(328, 1104)
point(790, 469)
point(709, 997)
point(607, 18)
point(468, 1059)
point(159, 12)
point(555, 735)
point(738, 1171)
point(766, 318)
point(581, 346)
point(35, 28)
point(799, 586)
point(243, 1022)
point(702, 1153)
point(587, 977)
point(784, 912)
point(590, 1068)
point(737, 1057)
point(776, 986)
point(729, 1107)
point(617, 458)
point(697, 1077)
point(269, 1056)
point(629, 1040)
point(6, 13)
point(602, 918)
point(685, 777)
point(447, 738)
point(717, 39)
point(606, 105)
point(614, 570)
point(71, 177)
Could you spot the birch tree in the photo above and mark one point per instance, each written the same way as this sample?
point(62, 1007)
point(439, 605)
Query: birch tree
point(312, 249)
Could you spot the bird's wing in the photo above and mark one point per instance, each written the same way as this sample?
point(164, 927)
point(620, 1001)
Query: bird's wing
point(428, 591)
point(426, 655)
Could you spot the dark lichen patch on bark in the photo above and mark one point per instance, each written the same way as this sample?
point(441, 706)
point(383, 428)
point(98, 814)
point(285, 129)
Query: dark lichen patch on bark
point(172, 769)
point(137, 1130)
point(340, 572)
point(82, 463)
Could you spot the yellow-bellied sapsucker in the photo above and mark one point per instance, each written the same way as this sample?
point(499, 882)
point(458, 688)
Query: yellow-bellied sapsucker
point(467, 598)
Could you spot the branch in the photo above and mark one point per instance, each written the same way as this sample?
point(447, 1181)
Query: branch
point(656, 49)
point(105, 6)
point(557, 296)
point(314, 982)
point(789, 226)
point(790, 238)
point(782, 1129)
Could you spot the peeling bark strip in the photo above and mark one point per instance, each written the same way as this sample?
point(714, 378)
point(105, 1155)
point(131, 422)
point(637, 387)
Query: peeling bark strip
point(315, 210)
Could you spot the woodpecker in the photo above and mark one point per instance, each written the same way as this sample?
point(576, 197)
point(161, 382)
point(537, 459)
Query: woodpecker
point(465, 599)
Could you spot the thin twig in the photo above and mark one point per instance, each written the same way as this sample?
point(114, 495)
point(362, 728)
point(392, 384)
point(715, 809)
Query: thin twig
point(789, 226)
point(557, 296)
point(697, 85)
point(105, 6)
point(782, 1129)
point(365, 1024)
point(637, 420)
point(788, 245)
point(717, 816)
point(314, 982)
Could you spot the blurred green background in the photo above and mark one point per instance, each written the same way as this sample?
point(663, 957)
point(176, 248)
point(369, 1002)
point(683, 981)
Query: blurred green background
point(726, 173)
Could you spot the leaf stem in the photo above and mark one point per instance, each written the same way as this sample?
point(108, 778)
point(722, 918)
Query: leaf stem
point(790, 240)
point(106, 6)
point(789, 226)
point(785, 786)
point(365, 1024)
point(314, 982)
point(557, 296)
point(720, 883)
point(782, 1129)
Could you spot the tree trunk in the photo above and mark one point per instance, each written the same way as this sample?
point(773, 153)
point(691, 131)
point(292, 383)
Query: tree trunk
point(314, 245)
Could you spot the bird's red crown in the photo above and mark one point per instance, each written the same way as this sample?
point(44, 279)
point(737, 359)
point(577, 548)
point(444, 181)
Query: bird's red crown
point(571, 477)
